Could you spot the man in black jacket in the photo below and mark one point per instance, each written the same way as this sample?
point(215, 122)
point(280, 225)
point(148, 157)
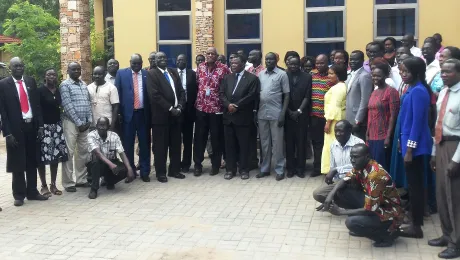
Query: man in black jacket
point(167, 99)
point(22, 127)
point(297, 118)
point(238, 92)
point(188, 83)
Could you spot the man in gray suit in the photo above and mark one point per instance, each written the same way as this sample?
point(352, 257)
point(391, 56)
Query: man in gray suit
point(359, 89)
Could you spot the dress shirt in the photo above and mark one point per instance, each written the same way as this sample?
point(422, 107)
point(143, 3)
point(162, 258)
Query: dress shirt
point(431, 70)
point(141, 88)
point(110, 78)
point(340, 156)
point(184, 78)
point(394, 75)
point(417, 52)
point(351, 78)
point(27, 115)
point(450, 123)
point(109, 147)
point(240, 74)
point(273, 84)
point(208, 82)
point(171, 83)
point(102, 98)
point(367, 65)
point(76, 102)
point(437, 84)
point(247, 65)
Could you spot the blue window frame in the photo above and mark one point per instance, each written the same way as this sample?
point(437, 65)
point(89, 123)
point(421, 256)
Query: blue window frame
point(395, 18)
point(243, 4)
point(325, 24)
point(324, 3)
point(243, 26)
point(174, 5)
point(175, 27)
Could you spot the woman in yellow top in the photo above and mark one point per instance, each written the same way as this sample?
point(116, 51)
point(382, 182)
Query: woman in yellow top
point(334, 110)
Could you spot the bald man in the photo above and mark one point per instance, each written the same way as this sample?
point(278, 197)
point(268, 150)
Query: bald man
point(135, 112)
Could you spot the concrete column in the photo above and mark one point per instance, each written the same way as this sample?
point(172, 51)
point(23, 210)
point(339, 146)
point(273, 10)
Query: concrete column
point(204, 25)
point(75, 36)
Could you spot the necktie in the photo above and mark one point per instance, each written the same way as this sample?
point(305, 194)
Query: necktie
point(137, 102)
point(183, 85)
point(23, 98)
point(442, 112)
point(166, 76)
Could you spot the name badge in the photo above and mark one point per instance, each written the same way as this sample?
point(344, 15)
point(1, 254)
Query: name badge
point(208, 92)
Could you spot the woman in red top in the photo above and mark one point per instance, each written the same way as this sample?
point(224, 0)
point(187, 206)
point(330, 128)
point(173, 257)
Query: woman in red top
point(383, 109)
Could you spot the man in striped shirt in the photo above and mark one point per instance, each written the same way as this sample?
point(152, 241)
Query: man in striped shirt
point(340, 158)
point(320, 85)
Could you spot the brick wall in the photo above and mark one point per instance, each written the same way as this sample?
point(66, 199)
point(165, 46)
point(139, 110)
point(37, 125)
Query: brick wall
point(204, 25)
point(75, 36)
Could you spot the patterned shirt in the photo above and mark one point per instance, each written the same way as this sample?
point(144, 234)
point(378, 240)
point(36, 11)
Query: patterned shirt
point(257, 70)
point(208, 82)
point(320, 85)
point(109, 147)
point(380, 193)
point(382, 104)
point(76, 102)
point(340, 156)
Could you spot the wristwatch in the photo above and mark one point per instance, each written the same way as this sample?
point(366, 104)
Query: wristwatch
point(300, 111)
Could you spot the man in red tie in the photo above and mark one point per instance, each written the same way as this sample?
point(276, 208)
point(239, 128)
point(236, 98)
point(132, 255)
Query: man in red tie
point(446, 160)
point(22, 128)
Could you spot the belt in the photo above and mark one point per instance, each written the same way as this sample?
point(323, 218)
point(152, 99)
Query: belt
point(28, 120)
point(450, 138)
point(137, 110)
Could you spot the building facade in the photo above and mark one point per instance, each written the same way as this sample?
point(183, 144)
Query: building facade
point(309, 27)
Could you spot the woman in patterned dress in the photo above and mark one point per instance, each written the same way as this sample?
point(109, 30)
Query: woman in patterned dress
point(53, 148)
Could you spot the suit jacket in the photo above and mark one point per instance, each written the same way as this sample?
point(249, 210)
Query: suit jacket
point(124, 84)
point(192, 90)
point(244, 97)
point(161, 95)
point(10, 109)
point(298, 91)
point(358, 97)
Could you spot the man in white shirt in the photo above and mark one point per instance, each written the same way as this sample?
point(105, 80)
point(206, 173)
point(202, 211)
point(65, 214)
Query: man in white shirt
point(340, 158)
point(104, 98)
point(409, 42)
point(112, 67)
point(432, 64)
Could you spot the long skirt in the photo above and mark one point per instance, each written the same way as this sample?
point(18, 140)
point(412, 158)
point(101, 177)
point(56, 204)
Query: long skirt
point(53, 148)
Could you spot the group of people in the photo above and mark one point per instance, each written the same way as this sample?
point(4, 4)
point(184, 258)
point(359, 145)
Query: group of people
point(368, 122)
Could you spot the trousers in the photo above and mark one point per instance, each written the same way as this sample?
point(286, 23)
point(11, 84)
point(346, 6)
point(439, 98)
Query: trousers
point(272, 141)
point(317, 140)
point(98, 169)
point(77, 145)
point(414, 175)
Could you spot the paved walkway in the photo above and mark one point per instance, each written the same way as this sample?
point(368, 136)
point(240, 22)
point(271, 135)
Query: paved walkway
point(193, 219)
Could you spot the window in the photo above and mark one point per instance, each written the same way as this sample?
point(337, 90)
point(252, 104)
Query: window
point(174, 27)
point(243, 30)
point(395, 18)
point(324, 26)
point(107, 9)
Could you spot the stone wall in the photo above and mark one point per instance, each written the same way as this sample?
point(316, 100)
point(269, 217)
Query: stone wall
point(204, 25)
point(75, 36)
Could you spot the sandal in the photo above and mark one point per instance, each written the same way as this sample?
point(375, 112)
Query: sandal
point(54, 189)
point(45, 191)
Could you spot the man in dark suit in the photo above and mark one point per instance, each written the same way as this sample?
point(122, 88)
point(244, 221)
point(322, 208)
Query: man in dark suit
point(238, 92)
point(296, 127)
point(188, 83)
point(167, 99)
point(135, 113)
point(22, 128)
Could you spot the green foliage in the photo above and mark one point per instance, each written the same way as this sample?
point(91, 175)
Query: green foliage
point(39, 33)
point(50, 6)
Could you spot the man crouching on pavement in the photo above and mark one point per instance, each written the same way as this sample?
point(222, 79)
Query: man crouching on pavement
point(104, 145)
point(369, 199)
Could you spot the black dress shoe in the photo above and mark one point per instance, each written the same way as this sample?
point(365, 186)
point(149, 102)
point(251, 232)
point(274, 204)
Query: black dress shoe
point(229, 176)
point(244, 175)
point(290, 174)
point(145, 178)
point(411, 231)
point(92, 194)
point(300, 173)
point(162, 179)
point(384, 243)
point(197, 172)
point(37, 197)
point(83, 185)
point(262, 174)
point(177, 175)
point(315, 174)
point(185, 169)
point(450, 253)
point(353, 234)
point(439, 242)
point(279, 177)
point(18, 203)
point(214, 171)
point(111, 187)
point(71, 189)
